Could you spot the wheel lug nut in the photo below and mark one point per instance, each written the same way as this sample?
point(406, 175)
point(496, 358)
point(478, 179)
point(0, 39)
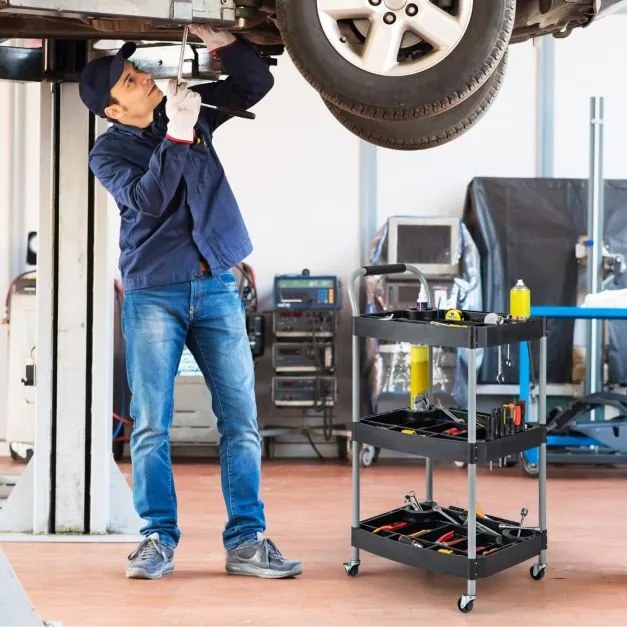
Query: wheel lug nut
point(389, 18)
point(411, 10)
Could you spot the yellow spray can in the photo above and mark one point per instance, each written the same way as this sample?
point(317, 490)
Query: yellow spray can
point(520, 301)
point(419, 372)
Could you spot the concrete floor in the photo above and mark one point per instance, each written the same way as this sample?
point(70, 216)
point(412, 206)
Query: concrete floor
point(308, 510)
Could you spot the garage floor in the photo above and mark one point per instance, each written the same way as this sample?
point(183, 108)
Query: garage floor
point(308, 508)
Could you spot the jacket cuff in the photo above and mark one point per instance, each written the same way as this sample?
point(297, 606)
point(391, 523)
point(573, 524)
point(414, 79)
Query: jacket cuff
point(178, 140)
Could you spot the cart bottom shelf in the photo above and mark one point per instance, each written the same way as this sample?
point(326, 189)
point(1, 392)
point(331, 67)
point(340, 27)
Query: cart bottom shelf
point(456, 565)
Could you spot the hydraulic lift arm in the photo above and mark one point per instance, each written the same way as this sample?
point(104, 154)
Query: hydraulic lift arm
point(180, 11)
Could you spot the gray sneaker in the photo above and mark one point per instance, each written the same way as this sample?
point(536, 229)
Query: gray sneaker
point(260, 558)
point(150, 559)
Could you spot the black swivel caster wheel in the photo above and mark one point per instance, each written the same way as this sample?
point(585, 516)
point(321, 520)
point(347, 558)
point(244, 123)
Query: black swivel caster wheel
point(351, 569)
point(367, 455)
point(465, 606)
point(537, 572)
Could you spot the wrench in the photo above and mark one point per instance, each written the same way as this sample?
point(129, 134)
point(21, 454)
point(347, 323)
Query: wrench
point(519, 528)
point(436, 508)
point(448, 412)
point(484, 529)
point(480, 527)
point(500, 378)
point(523, 514)
point(508, 361)
point(179, 76)
point(234, 112)
point(412, 501)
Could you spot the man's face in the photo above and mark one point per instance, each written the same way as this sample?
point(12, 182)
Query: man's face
point(135, 96)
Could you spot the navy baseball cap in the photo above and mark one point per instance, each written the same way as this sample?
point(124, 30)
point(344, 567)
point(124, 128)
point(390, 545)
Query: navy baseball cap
point(100, 75)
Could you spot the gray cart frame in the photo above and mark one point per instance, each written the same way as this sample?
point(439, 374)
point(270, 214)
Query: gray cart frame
point(471, 337)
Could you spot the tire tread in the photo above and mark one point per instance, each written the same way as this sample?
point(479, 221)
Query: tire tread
point(426, 141)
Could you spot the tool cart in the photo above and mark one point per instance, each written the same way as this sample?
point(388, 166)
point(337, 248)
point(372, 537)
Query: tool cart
point(458, 541)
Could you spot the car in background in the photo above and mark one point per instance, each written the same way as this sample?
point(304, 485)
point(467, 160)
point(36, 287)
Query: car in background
point(405, 74)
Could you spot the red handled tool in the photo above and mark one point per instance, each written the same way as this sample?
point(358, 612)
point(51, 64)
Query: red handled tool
point(454, 431)
point(391, 527)
point(447, 539)
point(517, 417)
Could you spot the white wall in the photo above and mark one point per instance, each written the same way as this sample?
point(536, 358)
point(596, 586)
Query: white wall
point(591, 62)
point(295, 173)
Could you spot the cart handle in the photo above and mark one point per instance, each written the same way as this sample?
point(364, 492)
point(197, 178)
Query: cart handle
point(395, 268)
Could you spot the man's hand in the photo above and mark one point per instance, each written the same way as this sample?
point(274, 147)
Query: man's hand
point(182, 108)
point(213, 39)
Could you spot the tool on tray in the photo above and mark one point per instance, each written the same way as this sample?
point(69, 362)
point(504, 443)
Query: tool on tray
point(392, 526)
point(412, 501)
point(505, 420)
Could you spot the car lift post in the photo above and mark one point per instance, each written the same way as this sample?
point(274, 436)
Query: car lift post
point(71, 485)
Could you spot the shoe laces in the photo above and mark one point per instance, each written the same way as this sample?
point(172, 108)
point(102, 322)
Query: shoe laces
point(147, 548)
point(272, 549)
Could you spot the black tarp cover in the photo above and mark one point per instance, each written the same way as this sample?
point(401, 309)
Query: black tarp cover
point(527, 229)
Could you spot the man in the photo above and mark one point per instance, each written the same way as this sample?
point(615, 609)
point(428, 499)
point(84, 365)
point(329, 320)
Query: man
point(181, 231)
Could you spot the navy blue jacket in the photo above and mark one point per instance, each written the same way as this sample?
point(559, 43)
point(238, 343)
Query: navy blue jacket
point(176, 204)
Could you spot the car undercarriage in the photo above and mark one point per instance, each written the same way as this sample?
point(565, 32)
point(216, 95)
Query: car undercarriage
point(391, 71)
point(255, 19)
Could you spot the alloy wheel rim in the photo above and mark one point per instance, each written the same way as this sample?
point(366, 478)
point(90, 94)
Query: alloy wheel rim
point(394, 37)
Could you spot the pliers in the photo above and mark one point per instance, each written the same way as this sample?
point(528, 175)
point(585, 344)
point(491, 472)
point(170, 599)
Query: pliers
point(454, 431)
point(391, 527)
point(445, 539)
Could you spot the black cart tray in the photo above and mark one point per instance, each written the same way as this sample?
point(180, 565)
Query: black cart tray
point(428, 440)
point(514, 550)
point(430, 327)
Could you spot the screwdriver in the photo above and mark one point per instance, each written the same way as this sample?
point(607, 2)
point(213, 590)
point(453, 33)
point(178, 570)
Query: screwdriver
point(226, 110)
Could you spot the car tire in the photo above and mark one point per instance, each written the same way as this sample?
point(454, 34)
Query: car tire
point(341, 81)
point(429, 132)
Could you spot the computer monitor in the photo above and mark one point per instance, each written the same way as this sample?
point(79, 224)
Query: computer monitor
point(431, 244)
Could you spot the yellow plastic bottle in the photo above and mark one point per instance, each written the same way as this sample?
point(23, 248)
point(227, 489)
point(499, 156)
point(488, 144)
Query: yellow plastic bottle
point(520, 301)
point(418, 372)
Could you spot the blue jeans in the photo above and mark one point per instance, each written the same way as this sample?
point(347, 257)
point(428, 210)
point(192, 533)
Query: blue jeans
point(207, 315)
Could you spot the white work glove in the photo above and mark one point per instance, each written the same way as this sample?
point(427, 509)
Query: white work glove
point(182, 108)
point(213, 39)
